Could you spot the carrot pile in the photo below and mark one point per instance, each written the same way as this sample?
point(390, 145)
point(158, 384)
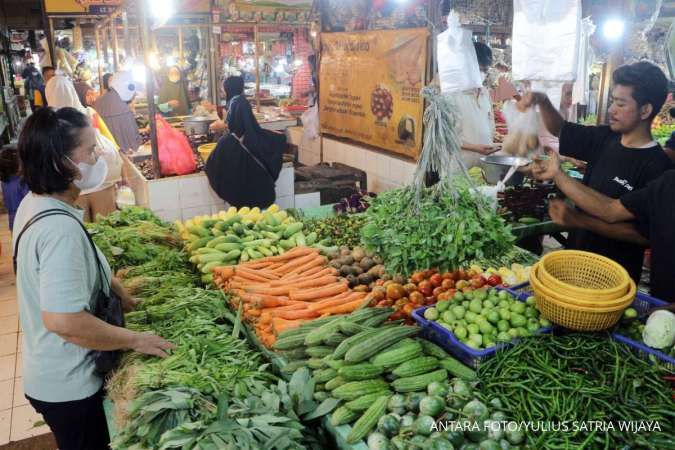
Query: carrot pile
point(280, 292)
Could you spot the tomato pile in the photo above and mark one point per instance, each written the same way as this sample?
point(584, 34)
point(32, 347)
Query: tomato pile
point(426, 288)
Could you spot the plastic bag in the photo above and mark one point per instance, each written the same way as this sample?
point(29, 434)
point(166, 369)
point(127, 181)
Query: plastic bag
point(175, 154)
point(310, 123)
point(457, 61)
point(523, 137)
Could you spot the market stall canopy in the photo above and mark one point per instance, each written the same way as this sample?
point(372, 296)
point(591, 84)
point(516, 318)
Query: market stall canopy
point(104, 7)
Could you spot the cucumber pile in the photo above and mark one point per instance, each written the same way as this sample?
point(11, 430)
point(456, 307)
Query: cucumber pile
point(234, 236)
point(393, 388)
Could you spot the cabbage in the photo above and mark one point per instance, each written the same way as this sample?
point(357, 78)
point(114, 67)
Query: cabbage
point(659, 331)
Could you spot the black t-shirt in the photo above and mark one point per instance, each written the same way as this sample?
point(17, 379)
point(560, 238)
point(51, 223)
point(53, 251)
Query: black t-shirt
point(613, 170)
point(654, 205)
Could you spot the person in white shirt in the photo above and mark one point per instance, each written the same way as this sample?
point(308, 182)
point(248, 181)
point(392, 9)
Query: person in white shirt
point(476, 116)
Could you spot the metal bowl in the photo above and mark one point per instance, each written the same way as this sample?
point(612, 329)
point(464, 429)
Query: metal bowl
point(496, 167)
point(194, 125)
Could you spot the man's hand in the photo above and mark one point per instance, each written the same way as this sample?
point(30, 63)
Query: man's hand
point(218, 126)
point(563, 214)
point(173, 104)
point(531, 99)
point(546, 169)
point(151, 344)
point(481, 148)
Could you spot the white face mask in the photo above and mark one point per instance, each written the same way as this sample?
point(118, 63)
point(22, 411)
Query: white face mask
point(93, 175)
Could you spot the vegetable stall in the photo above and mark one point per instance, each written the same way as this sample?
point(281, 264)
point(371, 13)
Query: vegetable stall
point(290, 336)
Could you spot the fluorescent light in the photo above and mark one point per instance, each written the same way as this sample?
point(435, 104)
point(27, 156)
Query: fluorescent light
point(161, 10)
point(613, 29)
point(297, 63)
point(170, 61)
point(138, 73)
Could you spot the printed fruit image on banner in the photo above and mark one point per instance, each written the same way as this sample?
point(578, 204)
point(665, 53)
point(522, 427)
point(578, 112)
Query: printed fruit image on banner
point(370, 87)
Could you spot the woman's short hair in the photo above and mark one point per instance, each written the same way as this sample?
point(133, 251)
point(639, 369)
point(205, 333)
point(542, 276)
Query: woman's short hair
point(48, 136)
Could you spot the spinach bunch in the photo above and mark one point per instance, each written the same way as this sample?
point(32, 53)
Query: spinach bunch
point(443, 227)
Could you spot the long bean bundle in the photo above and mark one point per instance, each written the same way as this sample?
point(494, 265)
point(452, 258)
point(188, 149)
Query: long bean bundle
point(578, 380)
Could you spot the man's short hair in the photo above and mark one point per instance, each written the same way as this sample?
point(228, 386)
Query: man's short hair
point(649, 84)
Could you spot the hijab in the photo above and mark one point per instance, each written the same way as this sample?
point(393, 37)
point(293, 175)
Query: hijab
point(246, 163)
point(175, 90)
point(61, 93)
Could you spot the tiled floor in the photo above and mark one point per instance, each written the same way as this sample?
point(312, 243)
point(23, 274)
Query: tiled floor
point(18, 419)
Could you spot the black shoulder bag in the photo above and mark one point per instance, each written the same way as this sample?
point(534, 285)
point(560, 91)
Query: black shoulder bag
point(108, 307)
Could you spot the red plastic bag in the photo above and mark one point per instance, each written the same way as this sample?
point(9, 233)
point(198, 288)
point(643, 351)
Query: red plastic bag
point(175, 154)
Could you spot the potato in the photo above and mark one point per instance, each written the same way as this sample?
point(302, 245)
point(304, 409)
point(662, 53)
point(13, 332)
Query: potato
point(366, 263)
point(358, 253)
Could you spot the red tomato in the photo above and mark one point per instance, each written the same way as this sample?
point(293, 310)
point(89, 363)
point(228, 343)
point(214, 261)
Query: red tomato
point(400, 303)
point(448, 276)
point(395, 291)
point(451, 293)
point(408, 309)
point(416, 297)
point(477, 282)
point(425, 288)
point(494, 280)
point(396, 315)
point(417, 277)
point(461, 275)
point(409, 288)
point(448, 284)
point(436, 280)
point(438, 291)
point(443, 296)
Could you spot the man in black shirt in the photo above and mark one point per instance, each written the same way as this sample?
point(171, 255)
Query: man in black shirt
point(622, 157)
point(651, 206)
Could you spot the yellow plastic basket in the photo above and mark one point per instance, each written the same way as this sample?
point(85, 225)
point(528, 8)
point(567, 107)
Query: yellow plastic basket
point(584, 275)
point(205, 150)
point(566, 311)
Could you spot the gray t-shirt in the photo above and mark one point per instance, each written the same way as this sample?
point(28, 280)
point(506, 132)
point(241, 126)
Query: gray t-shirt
point(57, 273)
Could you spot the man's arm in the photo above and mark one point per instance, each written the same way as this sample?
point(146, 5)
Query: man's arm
point(480, 148)
point(565, 215)
point(549, 114)
point(593, 202)
point(85, 330)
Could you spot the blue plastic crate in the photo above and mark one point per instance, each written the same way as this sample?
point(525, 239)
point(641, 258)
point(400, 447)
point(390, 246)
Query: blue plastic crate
point(641, 304)
point(432, 331)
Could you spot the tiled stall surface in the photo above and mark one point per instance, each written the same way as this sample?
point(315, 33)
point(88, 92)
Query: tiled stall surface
point(18, 420)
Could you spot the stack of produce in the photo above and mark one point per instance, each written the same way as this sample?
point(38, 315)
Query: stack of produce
point(342, 231)
point(390, 386)
point(355, 203)
point(131, 237)
point(361, 268)
point(234, 236)
point(482, 319)
point(213, 388)
point(280, 292)
point(448, 229)
point(577, 380)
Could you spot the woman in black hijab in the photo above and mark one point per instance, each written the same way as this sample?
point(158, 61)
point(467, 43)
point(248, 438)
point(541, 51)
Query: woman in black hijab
point(246, 163)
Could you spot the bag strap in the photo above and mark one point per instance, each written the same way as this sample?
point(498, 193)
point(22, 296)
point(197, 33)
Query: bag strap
point(241, 142)
point(60, 212)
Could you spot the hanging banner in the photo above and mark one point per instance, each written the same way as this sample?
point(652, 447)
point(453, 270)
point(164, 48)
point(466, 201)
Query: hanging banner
point(370, 87)
point(81, 6)
point(103, 7)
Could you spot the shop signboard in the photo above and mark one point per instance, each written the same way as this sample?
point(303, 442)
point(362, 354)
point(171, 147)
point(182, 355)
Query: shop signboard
point(81, 6)
point(104, 7)
point(370, 87)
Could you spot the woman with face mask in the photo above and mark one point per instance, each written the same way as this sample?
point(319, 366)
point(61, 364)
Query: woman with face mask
point(173, 95)
point(59, 276)
point(99, 199)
